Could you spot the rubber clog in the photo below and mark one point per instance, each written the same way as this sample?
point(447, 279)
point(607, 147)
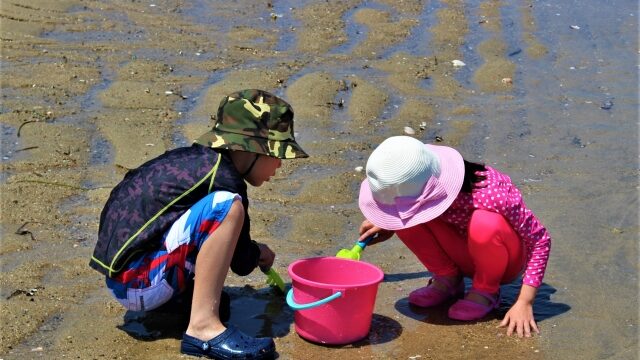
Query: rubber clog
point(467, 310)
point(231, 344)
point(431, 296)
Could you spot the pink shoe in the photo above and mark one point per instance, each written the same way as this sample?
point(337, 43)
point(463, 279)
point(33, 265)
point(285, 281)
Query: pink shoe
point(467, 310)
point(432, 296)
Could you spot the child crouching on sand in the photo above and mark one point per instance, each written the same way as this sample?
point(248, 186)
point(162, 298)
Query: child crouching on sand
point(181, 221)
point(460, 219)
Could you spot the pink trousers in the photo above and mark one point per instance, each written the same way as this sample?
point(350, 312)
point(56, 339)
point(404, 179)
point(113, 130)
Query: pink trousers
point(491, 254)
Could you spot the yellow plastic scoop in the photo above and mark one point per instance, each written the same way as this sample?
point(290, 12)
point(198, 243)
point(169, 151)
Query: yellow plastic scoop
point(355, 251)
point(274, 280)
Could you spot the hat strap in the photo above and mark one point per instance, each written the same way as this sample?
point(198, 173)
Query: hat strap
point(255, 159)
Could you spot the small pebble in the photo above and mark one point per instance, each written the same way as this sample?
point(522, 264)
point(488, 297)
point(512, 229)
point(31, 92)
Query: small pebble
point(507, 81)
point(458, 63)
point(359, 169)
point(606, 105)
point(575, 27)
point(423, 125)
point(409, 131)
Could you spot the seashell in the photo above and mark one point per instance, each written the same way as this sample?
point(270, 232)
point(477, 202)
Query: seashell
point(575, 27)
point(409, 131)
point(507, 81)
point(458, 63)
point(359, 169)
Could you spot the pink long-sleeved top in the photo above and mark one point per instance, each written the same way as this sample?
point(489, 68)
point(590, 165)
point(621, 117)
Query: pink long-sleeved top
point(498, 194)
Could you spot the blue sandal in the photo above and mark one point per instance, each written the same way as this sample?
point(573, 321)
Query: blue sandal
point(231, 344)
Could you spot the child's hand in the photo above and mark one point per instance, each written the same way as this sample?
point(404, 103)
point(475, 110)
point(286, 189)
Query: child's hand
point(367, 229)
point(266, 257)
point(520, 319)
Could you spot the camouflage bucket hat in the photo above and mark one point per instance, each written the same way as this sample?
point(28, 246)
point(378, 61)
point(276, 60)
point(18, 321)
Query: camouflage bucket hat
point(254, 121)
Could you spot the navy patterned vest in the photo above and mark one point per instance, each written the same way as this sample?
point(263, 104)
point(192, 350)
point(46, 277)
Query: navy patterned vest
point(150, 198)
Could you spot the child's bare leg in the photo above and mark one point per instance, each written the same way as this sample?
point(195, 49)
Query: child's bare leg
point(212, 266)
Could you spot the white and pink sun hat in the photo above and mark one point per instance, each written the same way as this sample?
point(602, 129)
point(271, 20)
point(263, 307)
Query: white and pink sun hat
point(409, 183)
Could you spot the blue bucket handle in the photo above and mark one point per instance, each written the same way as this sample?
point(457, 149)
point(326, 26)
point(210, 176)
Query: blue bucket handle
point(292, 303)
point(363, 244)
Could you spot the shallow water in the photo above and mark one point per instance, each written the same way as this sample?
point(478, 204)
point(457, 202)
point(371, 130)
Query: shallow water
point(575, 159)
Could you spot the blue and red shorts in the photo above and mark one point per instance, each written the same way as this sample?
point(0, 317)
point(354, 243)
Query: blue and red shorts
point(154, 278)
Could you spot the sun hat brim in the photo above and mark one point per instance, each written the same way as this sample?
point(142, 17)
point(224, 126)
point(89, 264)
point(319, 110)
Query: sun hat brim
point(388, 216)
point(283, 149)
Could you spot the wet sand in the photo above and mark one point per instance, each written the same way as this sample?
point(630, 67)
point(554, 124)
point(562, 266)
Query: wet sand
point(91, 89)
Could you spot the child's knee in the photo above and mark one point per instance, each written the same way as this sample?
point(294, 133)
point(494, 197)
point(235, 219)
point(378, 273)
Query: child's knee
point(236, 212)
point(485, 226)
point(213, 210)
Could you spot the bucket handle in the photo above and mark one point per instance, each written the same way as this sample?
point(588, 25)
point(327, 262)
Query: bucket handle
point(292, 303)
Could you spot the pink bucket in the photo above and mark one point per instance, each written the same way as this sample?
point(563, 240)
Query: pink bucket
point(333, 298)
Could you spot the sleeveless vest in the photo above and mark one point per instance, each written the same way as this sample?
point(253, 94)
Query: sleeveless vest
point(150, 198)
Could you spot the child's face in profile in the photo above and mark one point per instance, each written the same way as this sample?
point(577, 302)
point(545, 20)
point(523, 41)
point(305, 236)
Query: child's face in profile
point(263, 170)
